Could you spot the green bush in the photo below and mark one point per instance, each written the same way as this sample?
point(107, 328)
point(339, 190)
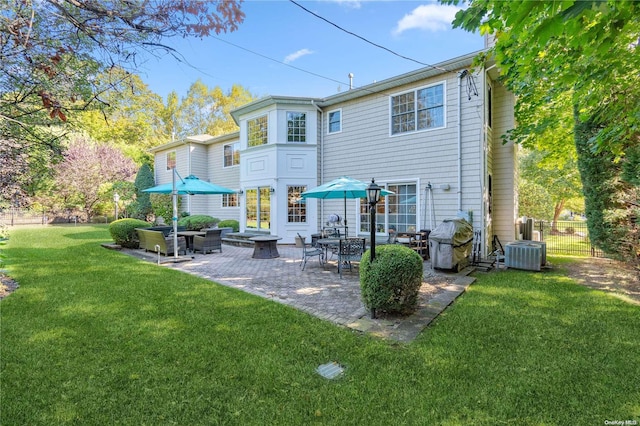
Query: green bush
point(391, 282)
point(198, 221)
point(162, 206)
point(123, 231)
point(229, 223)
point(142, 206)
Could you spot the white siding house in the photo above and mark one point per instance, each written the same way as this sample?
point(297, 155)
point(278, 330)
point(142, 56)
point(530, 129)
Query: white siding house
point(432, 136)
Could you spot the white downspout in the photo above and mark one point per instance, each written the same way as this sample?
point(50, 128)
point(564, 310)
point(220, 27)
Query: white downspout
point(460, 77)
point(485, 166)
point(321, 154)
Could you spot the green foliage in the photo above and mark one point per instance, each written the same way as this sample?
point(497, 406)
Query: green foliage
point(573, 64)
point(162, 206)
point(609, 218)
point(229, 223)
point(141, 208)
point(198, 221)
point(123, 231)
point(392, 281)
point(547, 184)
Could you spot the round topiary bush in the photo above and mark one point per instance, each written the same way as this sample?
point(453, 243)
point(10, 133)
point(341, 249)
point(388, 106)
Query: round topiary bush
point(123, 231)
point(229, 223)
point(197, 222)
point(392, 281)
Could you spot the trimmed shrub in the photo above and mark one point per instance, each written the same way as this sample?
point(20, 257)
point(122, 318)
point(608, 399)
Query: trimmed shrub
point(123, 231)
point(229, 223)
point(392, 282)
point(198, 221)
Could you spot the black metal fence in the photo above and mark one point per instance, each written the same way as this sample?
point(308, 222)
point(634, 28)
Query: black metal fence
point(567, 237)
point(13, 216)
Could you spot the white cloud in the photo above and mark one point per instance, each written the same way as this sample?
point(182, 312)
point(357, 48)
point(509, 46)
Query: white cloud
point(430, 17)
point(354, 4)
point(296, 55)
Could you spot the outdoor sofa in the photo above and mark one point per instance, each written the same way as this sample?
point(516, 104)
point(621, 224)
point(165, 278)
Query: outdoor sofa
point(149, 239)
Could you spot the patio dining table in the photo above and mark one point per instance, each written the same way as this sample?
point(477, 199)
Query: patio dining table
point(328, 243)
point(188, 235)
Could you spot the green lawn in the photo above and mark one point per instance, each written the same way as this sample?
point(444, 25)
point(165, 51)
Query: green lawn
point(94, 337)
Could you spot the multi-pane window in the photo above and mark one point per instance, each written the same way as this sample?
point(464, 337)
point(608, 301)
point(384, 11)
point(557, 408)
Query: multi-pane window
point(229, 200)
point(296, 206)
point(403, 116)
point(401, 208)
point(257, 132)
point(296, 127)
point(395, 212)
point(418, 110)
point(335, 121)
point(232, 154)
point(171, 160)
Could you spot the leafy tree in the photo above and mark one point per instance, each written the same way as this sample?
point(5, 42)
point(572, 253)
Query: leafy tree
point(206, 110)
point(85, 176)
point(131, 118)
point(578, 57)
point(53, 54)
point(142, 206)
point(13, 164)
point(559, 54)
point(548, 187)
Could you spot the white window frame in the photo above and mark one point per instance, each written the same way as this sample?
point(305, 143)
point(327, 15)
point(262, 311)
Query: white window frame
point(299, 206)
point(235, 152)
point(339, 110)
point(228, 197)
point(416, 110)
point(302, 134)
point(263, 133)
point(175, 159)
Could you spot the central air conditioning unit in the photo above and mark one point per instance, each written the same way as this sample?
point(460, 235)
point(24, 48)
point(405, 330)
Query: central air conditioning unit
point(527, 255)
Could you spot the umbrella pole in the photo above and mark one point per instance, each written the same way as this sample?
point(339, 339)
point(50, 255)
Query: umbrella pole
point(174, 198)
point(346, 228)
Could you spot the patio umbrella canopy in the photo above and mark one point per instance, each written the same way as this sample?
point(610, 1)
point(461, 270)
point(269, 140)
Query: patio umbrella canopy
point(190, 185)
point(343, 187)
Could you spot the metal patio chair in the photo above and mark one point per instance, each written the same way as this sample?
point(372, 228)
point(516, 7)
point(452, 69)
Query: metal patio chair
point(309, 251)
point(350, 250)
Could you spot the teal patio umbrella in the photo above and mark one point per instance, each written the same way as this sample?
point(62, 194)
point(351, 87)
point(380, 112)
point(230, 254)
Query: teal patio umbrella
point(190, 185)
point(343, 187)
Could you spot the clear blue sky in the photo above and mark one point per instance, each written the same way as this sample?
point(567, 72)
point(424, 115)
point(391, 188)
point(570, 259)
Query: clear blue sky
point(292, 37)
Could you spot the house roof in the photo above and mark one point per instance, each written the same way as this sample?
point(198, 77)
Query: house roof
point(448, 66)
point(451, 65)
point(199, 139)
point(271, 100)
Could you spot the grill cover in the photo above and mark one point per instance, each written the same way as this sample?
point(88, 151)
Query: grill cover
point(450, 244)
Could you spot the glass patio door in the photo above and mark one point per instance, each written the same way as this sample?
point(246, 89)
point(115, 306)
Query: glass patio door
point(258, 208)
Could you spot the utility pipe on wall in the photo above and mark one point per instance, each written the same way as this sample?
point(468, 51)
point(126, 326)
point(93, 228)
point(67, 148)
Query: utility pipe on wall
point(460, 77)
point(321, 154)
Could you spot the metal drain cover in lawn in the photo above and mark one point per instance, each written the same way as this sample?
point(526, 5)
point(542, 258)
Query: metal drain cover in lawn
point(330, 370)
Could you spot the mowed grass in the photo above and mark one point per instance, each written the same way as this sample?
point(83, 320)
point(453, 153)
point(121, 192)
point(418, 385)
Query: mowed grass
point(94, 337)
